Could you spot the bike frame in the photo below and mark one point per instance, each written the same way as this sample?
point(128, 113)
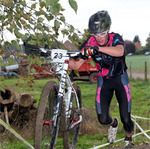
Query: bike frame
point(61, 58)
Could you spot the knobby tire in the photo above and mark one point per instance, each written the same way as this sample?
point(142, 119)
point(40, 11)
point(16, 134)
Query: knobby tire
point(44, 114)
point(70, 136)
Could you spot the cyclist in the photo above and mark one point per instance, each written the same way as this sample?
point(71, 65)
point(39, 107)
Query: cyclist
point(112, 75)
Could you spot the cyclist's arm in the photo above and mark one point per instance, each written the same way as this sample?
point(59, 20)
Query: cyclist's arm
point(116, 51)
point(75, 64)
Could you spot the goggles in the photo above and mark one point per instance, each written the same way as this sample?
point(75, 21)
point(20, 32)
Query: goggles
point(102, 34)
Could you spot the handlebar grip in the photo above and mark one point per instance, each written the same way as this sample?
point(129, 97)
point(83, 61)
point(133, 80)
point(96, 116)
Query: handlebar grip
point(77, 56)
point(31, 50)
point(31, 46)
point(95, 49)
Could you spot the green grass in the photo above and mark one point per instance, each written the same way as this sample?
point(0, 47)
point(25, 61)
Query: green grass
point(138, 61)
point(15, 144)
point(85, 141)
point(140, 91)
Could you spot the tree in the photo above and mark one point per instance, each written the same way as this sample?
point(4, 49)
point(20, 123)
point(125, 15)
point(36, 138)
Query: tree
point(129, 47)
point(30, 19)
point(136, 39)
point(43, 20)
point(148, 43)
point(137, 43)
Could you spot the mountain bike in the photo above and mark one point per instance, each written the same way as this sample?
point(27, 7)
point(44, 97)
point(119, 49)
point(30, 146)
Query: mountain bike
point(59, 109)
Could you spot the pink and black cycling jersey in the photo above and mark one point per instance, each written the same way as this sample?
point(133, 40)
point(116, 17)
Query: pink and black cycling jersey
point(108, 66)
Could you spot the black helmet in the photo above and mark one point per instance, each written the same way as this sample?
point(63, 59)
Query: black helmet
point(99, 22)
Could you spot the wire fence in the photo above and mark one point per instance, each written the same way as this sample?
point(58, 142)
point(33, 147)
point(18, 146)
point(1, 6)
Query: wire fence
point(139, 74)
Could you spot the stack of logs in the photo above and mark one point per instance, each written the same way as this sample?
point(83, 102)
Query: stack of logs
point(11, 106)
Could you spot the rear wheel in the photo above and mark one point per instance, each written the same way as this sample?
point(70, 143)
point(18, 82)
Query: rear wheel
point(45, 133)
point(70, 135)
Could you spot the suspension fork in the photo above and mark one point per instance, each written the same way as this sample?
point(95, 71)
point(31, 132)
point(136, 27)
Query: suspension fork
point(57, 110)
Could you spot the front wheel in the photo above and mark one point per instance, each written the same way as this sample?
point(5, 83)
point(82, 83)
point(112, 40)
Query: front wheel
point(70, 135)
point(45, 132)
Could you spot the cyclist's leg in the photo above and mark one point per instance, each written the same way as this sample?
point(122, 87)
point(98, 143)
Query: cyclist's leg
point(103, 98)
point(104, 95)
point(123, 94)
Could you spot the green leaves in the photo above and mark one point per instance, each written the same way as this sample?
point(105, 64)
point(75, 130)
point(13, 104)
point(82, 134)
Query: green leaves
point(64, 32)
point(24, 19)
point(17, 33)
point(40, 19)
point(93, 64)
point(29, 19)
point(33, 6)
point(57, 24)
point(42, 4)
point(15, 44)
point(55, 9)
point(74, 5)
point(51, 2)
point(2, 85)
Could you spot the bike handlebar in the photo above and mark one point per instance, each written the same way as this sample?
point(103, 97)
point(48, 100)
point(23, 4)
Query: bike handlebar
point(31, 46)
point(46, 51)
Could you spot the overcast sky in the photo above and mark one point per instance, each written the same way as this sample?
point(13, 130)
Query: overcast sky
point(129, 17)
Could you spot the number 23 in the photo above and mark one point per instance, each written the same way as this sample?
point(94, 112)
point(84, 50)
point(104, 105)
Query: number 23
point(58, 55)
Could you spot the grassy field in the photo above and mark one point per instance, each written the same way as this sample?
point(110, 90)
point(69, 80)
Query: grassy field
point(140, 106)
point(138, 61)
point(140, 91)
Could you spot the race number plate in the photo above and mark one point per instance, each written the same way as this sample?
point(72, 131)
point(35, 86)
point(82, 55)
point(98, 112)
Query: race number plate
point(58, 55)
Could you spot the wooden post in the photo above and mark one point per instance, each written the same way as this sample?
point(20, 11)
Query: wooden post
point(130, 70)
point(6, 115)
point(145, 70)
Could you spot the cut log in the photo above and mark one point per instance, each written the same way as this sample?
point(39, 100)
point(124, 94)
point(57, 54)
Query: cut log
point(25, 100)
point(23, 105)
point(7, 98)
